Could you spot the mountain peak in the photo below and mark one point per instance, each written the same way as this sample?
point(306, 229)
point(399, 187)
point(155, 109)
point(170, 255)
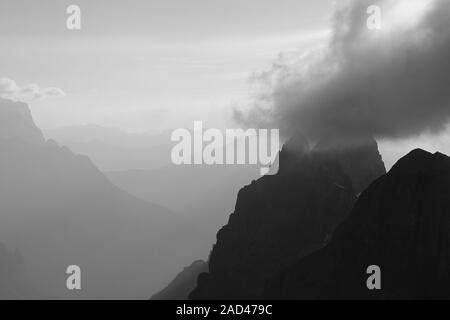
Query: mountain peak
point(419, 160)
point(400, 224)
point(16, 122)
point(359, 158)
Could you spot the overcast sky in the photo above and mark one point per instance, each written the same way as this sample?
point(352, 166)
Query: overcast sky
point(149, 65)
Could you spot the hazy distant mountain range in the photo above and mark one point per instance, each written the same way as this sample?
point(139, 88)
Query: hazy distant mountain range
point(59, 209)
point(140, 164)
point(111, 149)
point(205, 194)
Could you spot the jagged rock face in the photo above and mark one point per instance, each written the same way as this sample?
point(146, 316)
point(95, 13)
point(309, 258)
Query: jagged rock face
point(279, 219)
point(359, 158)
point(183, 283)
point(400, 223)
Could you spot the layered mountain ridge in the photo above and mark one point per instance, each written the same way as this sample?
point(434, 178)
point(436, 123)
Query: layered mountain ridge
point(279, 219)
point(60, 210)
point(400, 224)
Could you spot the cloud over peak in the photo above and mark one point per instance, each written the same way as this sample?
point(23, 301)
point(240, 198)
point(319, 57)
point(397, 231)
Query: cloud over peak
point(390, 83)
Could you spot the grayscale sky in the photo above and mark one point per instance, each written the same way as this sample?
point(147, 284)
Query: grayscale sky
point(149, 65)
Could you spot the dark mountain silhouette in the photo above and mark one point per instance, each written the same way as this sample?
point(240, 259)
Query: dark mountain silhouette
point(59, 210)
point(362, 164)
point(400, 223)
point(183, 283)
point(279, 219)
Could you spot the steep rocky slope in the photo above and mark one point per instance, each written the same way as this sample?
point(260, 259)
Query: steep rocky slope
point(279, 219)
point(183, 284)
point(401, 223)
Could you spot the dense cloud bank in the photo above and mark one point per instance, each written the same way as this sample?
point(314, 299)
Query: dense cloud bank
point(390, 83)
